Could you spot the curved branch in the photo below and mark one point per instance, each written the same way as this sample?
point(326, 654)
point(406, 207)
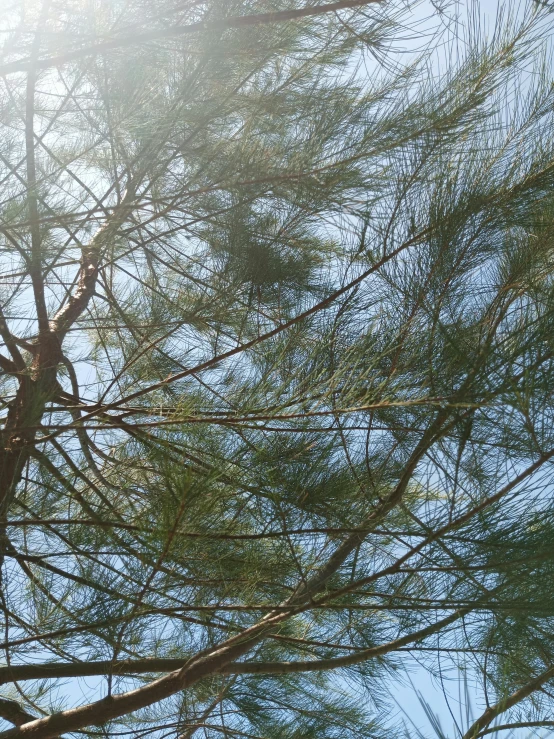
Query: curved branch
point(240, 21)
point(476, 729)
point(322, 305)
point(516, 725)
point(193, 671)
point(141, 666)
point(88, 269)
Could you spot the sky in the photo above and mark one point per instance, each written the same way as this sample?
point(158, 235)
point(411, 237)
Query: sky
point(456, 700)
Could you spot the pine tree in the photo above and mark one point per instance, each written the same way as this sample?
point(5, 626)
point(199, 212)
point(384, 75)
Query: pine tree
point(277, 365)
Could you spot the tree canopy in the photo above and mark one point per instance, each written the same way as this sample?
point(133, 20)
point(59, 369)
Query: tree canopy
point(277, 365)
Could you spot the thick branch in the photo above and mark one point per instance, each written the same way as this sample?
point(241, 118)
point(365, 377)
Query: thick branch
point(141, 666)
point(118, 705)
point(88, 269)
point(221, 657)
point(7, 365)
point(39, 386)
point(11, 711)
point(11, 343)
point(492, 712)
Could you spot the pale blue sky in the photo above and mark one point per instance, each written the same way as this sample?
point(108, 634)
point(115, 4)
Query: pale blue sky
point(463, 700)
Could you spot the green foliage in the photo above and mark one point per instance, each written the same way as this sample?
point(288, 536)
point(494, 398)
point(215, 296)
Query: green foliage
point(294, 384)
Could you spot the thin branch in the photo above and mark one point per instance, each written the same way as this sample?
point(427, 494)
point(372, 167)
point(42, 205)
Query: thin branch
point(241, 21)
point(516, 725)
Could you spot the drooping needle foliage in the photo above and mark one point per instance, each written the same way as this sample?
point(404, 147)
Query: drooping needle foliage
point(277, 365)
